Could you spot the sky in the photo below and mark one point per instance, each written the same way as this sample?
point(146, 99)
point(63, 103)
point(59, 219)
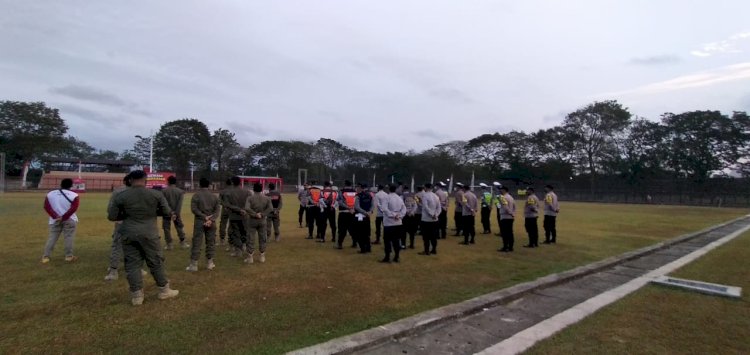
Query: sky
point(375, 75)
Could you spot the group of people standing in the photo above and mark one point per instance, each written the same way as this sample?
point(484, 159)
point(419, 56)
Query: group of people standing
point(241, 215)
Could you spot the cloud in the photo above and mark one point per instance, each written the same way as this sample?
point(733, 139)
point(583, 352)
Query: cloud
point(450, 94)
point(740, 71)
point(655, 60)
point(99, 96)
point(89, 115)
point(431, 134)
point(728, 45)
point(240, 129)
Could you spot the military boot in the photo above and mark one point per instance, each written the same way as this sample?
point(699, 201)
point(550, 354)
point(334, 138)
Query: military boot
point(136, 297)
point(210, 265)
point(165, 292)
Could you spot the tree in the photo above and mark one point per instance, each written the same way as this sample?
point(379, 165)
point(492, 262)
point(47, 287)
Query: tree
point(640, 151)
point(28, 130)
point(701, 143)
point(76, 149)
point(223, 147)
point(488, 151)
point(591, 129)
point(184, 144)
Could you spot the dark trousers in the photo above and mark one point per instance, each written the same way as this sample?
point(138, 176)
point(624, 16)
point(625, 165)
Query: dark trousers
point(468, 228)
point(237, 232)
point(378, 228)
point(301, 213)
point(327, 218)
point(458, 220)
point(550, 229)
point(311, 216)
point(361, 233)
point(392, 236)
point(137, 249)
point(532, 229)
point(201, 234)
point(223, 223)
point(443, 223)
point(430, 236)
point(410, 229)
point(178, 225)
point(486, 219)
point(346, 220)
point(506, 231)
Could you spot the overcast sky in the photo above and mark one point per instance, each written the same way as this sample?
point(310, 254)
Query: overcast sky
point(378, 75)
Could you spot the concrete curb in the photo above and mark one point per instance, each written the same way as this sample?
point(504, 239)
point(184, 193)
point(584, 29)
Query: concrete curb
point(350, 344)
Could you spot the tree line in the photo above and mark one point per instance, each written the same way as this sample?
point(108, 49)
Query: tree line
point(600, 139)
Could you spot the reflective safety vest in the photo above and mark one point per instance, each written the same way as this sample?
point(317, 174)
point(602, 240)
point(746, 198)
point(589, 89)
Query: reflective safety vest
point(315, 194)
point(349, 196)
point(486, 199)
point(330, 197)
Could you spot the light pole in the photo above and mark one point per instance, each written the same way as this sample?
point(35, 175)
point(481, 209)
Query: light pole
point(150, 152)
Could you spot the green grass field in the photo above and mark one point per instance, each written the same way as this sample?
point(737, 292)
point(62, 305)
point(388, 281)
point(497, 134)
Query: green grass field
point(304, 294)
point(660, 320)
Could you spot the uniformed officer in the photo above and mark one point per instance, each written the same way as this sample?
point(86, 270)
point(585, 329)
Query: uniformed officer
point(116, 254)
point(443, 218)
point(224, 222)
point(496, 191)
point(507, 214)
point(458, 196)
point(431, 210)
point(486, 198)
point(327, 204)
point(346, 213)
point(174, 196)
point(257, 207)
point(312, 212)
point(531, 214)
point(418, 214)
point(364, 205)
point(235, 199)
point(393, 231)
point(551, 209)
point(381, 198)
point(206, 208)
point(470, 207)
point(138, 208)
point(274, 218)
point(410, 220)
point(302, 197)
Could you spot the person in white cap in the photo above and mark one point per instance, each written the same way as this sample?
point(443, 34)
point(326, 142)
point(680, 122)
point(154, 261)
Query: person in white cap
point(443, 217)
point(458, 195)
point(486, 201)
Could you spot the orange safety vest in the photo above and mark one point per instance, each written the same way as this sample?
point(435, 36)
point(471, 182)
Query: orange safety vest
point(330, 197)
point(349, 198)
point(315, 194)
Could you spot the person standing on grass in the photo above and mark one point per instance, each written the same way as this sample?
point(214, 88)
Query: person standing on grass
point(393, 229)
point(235, 202)
point(274, 218)
point(138, 207)
point(410, 221)
point(206, 208)
point(61, 206)
point(346, 213)
point(327, 204)
point(302, 197)
point(443, 218)
point(174, 196)
point(115, 255)
point(224, 222)
point(364, 205)
point(431, 210)
point(257, 207)
point(486, 198)
point(551, 209)
point(496, 201)
point(381, 197)
point(531, 214)
point(507, 214)
point(470, 206)
point(313, 210)
point(458, 196)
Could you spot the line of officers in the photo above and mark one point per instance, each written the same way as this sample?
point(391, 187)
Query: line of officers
point(318, 207)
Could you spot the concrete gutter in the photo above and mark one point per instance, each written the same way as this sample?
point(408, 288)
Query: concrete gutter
point(350, 344)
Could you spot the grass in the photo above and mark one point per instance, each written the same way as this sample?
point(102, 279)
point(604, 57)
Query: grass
point(304, 294)
point(660, 320)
